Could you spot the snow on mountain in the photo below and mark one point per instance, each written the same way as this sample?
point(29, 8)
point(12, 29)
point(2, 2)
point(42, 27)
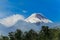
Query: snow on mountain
point(11, 20)
point(36, 17)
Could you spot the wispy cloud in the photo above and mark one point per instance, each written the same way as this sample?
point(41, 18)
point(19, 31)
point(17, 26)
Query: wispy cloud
point(24, 11)
point(9, 21)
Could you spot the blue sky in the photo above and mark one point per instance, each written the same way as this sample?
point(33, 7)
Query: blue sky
point(49, 8)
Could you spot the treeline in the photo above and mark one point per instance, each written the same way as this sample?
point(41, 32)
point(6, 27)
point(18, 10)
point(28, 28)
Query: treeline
point(45, 33)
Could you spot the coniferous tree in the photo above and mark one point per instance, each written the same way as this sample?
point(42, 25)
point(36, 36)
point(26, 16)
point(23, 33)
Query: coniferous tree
point(44, 33)
point(11, 36)
point(31, 35)
point(18, 34)
point(5, 38)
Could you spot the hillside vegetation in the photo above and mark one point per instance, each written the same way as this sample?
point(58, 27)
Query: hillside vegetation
point(45, 33)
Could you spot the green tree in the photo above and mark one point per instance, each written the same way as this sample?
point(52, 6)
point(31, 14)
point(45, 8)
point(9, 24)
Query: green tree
point(44, 33)
point(5, 38)
point(31, 35)
point(18, 34)
point(11, 36)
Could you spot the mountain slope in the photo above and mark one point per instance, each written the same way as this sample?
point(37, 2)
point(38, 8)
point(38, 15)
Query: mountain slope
point(36, 18)
point(24, 26)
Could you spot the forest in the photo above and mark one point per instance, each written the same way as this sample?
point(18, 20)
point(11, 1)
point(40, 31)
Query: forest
point(45, 33)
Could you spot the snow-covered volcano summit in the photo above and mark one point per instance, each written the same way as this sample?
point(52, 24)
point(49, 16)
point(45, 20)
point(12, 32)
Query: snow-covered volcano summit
point(36, 17)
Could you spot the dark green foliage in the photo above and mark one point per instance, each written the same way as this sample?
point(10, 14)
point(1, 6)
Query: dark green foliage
point(45, 33)
point(15, 35)
point(31, 35)
point(11, 36)
point(18, 34)
point(5, 38)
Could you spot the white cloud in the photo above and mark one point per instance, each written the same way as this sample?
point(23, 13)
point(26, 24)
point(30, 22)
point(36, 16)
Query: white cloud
point(9, 21)
point(24, 11)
